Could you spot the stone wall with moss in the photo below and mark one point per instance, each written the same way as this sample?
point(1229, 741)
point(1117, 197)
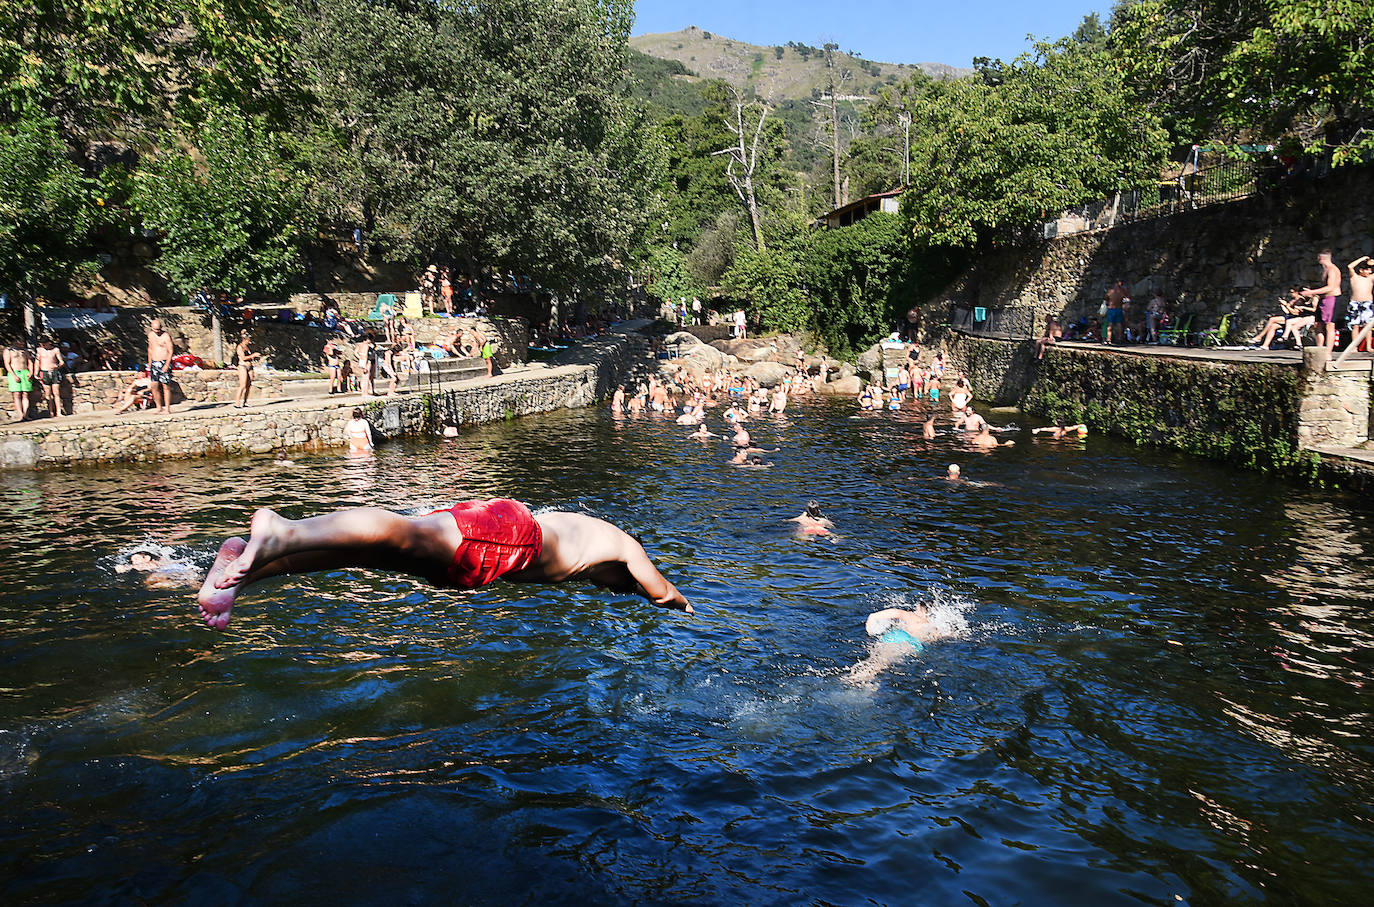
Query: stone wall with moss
point(1245, 414)
point(1001, 371)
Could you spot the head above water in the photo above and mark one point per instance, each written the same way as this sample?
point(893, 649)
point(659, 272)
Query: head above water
point(953, 471)
point(813, 510)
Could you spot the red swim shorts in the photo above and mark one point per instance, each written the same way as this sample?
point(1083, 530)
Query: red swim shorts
point(499, 537)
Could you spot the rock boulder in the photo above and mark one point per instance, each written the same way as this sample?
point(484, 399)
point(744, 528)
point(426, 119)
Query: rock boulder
point(849, 384)
point(767, 373)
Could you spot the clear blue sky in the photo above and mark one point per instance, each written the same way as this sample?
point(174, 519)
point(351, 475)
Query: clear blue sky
point(890, 31)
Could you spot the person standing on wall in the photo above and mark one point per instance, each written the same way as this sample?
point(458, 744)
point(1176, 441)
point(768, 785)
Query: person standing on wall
point(245, 359)
point(160, 365)
point(1325, 295)
point(1116, 314)
point(1359, 316)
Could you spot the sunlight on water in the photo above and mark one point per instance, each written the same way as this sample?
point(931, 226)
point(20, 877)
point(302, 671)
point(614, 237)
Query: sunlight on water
point(1151, 682)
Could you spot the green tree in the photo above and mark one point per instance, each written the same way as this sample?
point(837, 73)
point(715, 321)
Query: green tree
point(858, 279)
point(46, 208)
point(496, 132)
point(1044, 133)
point(228, 215)
point(123, 71)
point(771, 284)
point(1225, 68)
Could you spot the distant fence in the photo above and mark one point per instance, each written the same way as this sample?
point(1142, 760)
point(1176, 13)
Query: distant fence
point(1016, 323)
point(1211, 184)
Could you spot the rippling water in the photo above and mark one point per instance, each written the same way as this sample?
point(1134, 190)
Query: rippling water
point(1157, 690)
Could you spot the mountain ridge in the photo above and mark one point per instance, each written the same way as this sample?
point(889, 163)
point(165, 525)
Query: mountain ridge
point(793, 70)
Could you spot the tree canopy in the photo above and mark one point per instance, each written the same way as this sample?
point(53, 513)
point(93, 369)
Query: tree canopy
point(1234, 69)
point(1022, 141)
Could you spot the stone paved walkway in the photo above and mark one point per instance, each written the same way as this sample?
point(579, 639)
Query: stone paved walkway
point(1211, 354)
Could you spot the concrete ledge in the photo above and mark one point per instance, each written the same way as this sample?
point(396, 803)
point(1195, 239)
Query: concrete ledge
point(313, 423)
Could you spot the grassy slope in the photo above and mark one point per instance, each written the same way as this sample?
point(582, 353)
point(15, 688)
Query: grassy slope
point(787, 78)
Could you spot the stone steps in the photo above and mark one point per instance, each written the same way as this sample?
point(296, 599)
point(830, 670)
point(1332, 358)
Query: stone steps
point(445, 371)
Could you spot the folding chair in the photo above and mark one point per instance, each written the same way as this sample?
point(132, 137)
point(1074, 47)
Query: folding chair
point(1177, 336)
point(1217, 335)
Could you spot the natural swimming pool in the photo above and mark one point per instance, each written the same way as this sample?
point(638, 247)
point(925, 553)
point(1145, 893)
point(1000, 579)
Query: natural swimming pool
point(1159, 689)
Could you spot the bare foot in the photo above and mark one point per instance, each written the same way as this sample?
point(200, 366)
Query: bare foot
point(216, 603)
point(264, 544)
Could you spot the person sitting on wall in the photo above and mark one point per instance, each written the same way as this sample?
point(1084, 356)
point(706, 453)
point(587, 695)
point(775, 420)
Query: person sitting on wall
point(137, 394)
point(1053, 333)
point(1292, 307)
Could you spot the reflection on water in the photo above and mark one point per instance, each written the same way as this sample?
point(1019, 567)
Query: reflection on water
point(1154, 686)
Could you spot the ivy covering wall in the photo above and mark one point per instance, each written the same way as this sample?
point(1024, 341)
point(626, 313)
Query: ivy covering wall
point(1246, 415)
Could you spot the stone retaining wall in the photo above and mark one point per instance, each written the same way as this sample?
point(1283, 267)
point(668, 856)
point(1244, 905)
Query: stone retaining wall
point(1235, 258)
point(587, 377)
point(285, 345)
point(1335, 406)
point(88, 392)
point(1242, 413)
point(1001, 371)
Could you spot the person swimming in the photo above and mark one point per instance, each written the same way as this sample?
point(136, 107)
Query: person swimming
point(159, 571)
point(898, 634)
point(811, 522)
point(1061, 431)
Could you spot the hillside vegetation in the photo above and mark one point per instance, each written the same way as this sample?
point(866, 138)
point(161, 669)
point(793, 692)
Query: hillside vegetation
point(778, 73)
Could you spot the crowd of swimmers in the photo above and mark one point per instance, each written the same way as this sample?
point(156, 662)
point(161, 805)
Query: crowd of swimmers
point(474, 543)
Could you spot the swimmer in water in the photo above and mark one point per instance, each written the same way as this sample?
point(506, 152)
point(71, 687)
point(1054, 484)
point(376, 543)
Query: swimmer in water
point(899, 633)
point(928, 428)
point(703, 433)
point(463, 547)
point(986, 441)
point(969, 420)
point(159, 571)
point(144, 561)
point(811, 522)
point(1061, 430)
point(359, 434)
point(952, 474)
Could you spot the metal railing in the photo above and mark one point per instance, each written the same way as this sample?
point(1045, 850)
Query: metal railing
point(1218, 182)
point(1017, 323)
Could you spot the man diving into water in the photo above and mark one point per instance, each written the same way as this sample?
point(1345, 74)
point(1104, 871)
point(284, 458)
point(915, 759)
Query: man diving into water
point(463, 547)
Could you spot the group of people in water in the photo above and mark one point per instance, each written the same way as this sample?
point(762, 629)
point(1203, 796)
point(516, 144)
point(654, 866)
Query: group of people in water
point(473, 543)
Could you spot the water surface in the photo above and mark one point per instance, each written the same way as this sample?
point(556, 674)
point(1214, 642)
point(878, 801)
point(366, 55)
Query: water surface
point(1157, 688)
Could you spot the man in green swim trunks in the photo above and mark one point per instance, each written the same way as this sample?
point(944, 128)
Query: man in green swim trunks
point(19, 371)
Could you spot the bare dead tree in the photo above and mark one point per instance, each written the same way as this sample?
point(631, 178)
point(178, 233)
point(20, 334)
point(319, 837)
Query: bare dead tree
point(744, 155)
point(834, 77)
